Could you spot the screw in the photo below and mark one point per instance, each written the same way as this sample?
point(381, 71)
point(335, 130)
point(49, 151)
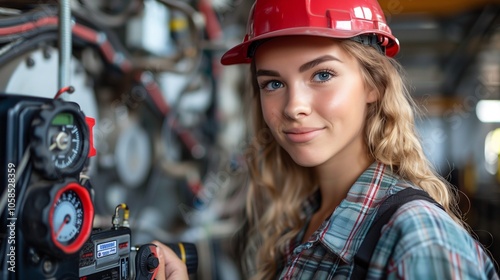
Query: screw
point(30, 62)
point(35, 258)
point(47, 266)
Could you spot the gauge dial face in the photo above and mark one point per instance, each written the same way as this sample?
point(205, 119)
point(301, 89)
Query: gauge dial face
point(65, 140)
point(60, 140)
point(68, 217)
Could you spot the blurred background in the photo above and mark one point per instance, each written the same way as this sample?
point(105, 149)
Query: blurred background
point(170, 120)
point(451, 52)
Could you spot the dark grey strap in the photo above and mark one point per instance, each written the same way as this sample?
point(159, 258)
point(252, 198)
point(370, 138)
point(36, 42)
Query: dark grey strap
point(384, 214)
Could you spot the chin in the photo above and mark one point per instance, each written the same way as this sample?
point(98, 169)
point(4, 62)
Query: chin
point(306, 161)
point(305, 157)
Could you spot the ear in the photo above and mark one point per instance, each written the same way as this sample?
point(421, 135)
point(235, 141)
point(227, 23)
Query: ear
point(372, 96)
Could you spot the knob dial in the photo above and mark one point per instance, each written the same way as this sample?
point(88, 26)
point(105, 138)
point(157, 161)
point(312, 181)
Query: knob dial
point(60, 140)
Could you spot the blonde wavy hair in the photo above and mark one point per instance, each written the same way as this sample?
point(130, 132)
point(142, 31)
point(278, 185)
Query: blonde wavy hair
point(278, 186)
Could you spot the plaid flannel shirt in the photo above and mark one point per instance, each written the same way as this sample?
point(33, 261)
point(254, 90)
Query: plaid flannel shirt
point(420, 241)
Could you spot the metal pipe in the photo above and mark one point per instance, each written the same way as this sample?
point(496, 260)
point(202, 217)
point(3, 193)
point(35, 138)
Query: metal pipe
point(64, 43)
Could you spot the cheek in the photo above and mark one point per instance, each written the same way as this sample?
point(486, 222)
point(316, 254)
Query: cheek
point(270, 113)
point(344, 103)
point(333, 102)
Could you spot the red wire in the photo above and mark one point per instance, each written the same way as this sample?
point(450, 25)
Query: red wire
point(28, 26)
point(214, 30)
point(69, 89)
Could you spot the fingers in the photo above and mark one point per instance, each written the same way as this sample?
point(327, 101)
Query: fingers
point(160, 275)
point(170, 266)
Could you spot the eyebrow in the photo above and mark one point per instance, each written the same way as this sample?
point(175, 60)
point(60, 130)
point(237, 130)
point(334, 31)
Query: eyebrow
point(267, 73)
point(306, 66)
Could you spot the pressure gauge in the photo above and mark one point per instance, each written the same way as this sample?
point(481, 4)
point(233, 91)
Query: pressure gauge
point(67, 217)
point(58, 218)
point(60, 140)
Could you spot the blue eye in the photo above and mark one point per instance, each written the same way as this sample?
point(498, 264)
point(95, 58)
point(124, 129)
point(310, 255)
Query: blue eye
point(322, 76)
point(271, 85)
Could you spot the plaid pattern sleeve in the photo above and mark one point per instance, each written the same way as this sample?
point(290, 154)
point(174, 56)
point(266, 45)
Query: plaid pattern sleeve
point(420, 241)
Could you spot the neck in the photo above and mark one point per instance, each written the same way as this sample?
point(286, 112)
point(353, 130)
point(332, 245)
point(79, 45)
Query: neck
point(337, 177)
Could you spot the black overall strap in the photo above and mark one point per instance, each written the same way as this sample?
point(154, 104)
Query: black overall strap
point(384, 214)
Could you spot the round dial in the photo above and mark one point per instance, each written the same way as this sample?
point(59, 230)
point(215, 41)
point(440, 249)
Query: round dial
point(65, 140)
point(60, 140)
point(58, 217)
point(68, 217)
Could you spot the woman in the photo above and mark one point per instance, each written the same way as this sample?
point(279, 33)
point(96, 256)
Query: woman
point(343, 140)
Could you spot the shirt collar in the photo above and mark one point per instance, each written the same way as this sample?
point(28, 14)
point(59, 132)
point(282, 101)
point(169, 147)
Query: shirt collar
point(344, 231)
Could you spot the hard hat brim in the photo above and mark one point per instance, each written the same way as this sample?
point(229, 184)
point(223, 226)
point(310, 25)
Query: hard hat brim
point(239, 53)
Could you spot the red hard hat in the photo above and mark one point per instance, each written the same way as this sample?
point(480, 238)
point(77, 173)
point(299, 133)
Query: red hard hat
point(326, 18)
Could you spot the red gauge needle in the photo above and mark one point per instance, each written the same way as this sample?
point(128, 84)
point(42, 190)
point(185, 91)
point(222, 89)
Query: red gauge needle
point(65, 222)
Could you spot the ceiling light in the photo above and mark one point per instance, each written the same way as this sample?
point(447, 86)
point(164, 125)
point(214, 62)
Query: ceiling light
point(488, 111)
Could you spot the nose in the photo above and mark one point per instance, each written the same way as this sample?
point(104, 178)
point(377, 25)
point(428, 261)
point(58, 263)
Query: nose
point(298, 103)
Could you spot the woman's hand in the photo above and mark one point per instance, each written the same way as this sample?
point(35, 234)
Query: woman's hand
point(170, 267)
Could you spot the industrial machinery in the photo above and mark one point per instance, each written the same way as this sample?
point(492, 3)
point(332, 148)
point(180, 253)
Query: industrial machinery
point(106, 103)
point(48, 208)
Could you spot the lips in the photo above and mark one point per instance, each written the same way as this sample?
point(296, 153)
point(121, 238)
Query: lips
point(302, 134)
